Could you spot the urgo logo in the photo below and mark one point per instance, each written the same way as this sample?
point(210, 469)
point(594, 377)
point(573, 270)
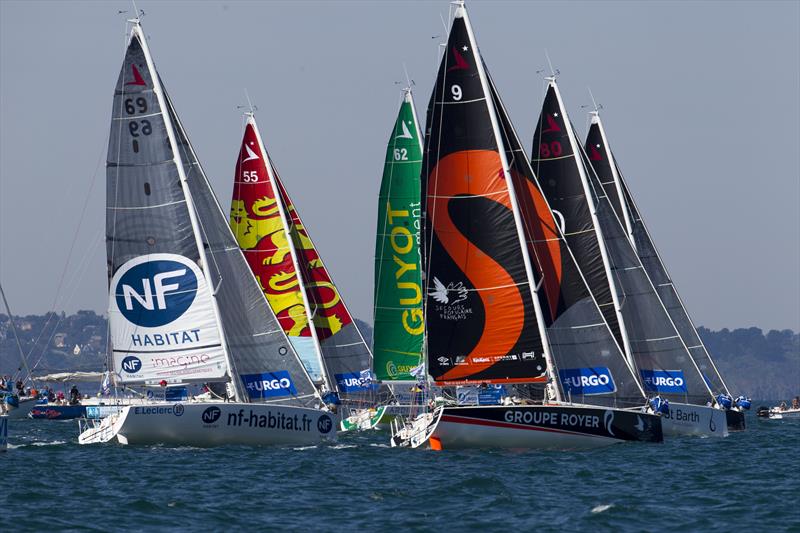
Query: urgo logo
point(131, 364)
point(211, 415)
point(154, 290)
point(324, 423)
point(269, 384)
point(664, 381)
point(595, 380)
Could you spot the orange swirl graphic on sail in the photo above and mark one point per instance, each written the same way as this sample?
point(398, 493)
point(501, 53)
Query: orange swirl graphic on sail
point(470, 173)
point(544, 232)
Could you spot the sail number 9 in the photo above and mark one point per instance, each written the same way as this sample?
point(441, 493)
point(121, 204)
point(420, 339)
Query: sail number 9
point(249, 176)
point(552, 149)
point(400, 154)
point(456, 91)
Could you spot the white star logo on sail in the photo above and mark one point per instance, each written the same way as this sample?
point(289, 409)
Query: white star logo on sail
point(406, 133)
point(250, 154)
point(465, 48)
point(555, 114)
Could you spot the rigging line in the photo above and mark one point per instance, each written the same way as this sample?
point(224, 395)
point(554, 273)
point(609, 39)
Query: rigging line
point(71, 248)
point(16, 335)
point(74, 284)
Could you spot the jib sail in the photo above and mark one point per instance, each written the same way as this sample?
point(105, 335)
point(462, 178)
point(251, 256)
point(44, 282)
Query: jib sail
point(399, 324)
point(346, 356)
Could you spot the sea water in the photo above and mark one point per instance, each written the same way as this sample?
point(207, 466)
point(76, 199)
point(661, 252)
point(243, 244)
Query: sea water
point(747, 482)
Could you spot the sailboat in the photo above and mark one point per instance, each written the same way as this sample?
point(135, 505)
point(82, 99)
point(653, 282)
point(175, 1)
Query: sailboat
point(295, 282)
point(183, 304)
point(484, 321)
point(616, 277)
point(398, 319)
point(616, 190)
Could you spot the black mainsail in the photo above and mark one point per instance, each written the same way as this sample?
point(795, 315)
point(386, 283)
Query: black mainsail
point(608, 261)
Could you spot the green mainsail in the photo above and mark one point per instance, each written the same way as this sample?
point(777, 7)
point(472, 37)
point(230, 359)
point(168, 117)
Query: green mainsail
point(398, 320)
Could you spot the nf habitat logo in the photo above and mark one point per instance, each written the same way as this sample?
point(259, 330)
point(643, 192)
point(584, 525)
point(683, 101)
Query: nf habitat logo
point(152, 291)
point(131, 364)
point(211, 415)
point(324, 424)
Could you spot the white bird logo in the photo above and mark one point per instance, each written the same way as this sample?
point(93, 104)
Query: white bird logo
point(440, 293)
point(250, 154)
point(406, 133)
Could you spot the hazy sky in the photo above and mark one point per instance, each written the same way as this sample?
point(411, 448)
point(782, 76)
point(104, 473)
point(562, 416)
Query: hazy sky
point(700, 104)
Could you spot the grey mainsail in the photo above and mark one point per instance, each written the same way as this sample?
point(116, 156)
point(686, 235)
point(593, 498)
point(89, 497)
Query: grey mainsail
point(183, 304)
point(605, 165)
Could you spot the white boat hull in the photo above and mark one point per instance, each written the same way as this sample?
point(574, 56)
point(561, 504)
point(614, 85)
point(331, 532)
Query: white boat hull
point(696, 420)
point(213, 424)
point(544, 427)
point(776, 413)
point(25, 407)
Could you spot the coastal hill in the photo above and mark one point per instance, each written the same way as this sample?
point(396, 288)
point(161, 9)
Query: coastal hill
point(752, 362)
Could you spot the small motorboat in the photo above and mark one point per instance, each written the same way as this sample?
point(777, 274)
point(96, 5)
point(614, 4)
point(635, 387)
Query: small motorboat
point(782, 412)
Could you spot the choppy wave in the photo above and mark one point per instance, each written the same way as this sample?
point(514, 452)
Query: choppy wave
point(360, 482)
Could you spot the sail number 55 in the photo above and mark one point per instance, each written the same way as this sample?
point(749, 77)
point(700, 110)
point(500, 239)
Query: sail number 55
point(249, 176)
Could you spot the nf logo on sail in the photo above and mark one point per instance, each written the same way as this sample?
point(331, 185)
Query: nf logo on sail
point(131, 364)
point(152, 293)
point(664, 381)
point(579, 381)
point(211, 415)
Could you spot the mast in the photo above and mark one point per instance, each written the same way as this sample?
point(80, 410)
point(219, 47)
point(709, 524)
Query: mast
point(293, 253)
point(137, 32)
point(461, 9)
point(596, 223)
